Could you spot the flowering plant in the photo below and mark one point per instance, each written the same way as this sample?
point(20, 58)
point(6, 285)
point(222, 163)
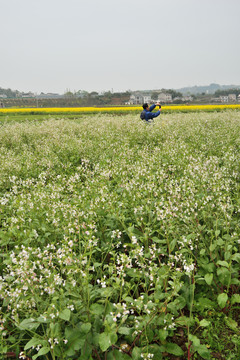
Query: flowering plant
point(118, 240)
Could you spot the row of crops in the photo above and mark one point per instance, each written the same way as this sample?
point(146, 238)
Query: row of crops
point(117, 109)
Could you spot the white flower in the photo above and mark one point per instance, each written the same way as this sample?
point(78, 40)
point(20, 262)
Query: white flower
point(134, 240)
point(22, 355)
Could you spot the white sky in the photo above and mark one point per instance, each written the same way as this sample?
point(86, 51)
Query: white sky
point(54, 45)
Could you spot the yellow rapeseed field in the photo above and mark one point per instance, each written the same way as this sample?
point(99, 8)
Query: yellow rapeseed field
point(116, 109)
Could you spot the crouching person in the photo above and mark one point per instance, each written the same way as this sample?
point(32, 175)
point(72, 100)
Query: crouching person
point(147, 114)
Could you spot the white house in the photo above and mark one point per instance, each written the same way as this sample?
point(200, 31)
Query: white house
point(224, 98)
point(147, 99)
point(165, 98)
point(232, 98)
point(136, 98)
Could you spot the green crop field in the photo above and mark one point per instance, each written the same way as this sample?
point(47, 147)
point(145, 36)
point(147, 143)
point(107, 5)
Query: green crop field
point(120, 240)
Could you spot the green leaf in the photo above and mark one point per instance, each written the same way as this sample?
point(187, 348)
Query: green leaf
point(124, 330)
point(136, 353)
point(220, 242)
point(97, 309)
point(55, 329)
point(76, 340)
point(204, 323)
point(235, 299)
point(203, 352)
point(42, 351)
point(222, 300)
point(117, 355)
point(172, 245)
point(195, 340)
point(227, 255)
point(185, 321)
point(86, 327)
point(223, 263)
point(156, 350)
point(162, 334)
point(236, 257)
point(174, 349)
point(217, 232)
point(224, 275)
point(106, 340)
point(41, 319)
point(212, 247)
point(150, 334)
point(180, 302)
point(208, 278)
point(65, 314)
point(29, 324)
point(33, 342)
point(232, 324)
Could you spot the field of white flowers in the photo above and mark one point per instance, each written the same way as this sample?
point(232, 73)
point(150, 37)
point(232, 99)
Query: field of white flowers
point(120, 240)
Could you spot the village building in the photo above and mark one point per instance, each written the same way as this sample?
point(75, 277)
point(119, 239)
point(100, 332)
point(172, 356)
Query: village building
point(224, 98)
point(178, 98)
point(28, 95)
point(165, 98)
point(136, 98)
point(147, 99)
point(215, 99)
point(232, 98)
point(187, 98)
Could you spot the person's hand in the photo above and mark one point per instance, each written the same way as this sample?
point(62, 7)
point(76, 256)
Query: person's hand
point(158, 104)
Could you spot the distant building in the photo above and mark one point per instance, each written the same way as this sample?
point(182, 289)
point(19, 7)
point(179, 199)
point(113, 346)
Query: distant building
point(178, 98)
point(3, 96)
point(27, 95)
point(147, 99)
point(136, 98)
point(238, 98)
point(224, 98)
point(216, 99)
point(187, 98)
point(232, 98)
point(165, 98)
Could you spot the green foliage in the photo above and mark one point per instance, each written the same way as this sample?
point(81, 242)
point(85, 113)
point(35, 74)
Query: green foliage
point(120, 240)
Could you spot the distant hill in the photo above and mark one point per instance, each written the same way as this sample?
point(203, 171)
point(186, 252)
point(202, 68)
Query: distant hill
point(208, 89)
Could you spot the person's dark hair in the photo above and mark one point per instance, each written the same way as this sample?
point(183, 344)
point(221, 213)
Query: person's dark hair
point(145, 106)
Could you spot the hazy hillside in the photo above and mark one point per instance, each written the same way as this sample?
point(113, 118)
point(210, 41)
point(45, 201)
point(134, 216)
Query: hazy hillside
point(209, 89)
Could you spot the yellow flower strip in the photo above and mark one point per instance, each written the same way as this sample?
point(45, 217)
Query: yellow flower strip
point(116, 109)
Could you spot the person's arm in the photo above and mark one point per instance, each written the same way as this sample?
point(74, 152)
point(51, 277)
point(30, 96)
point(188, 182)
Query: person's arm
point(153, 115)
point(152, 107)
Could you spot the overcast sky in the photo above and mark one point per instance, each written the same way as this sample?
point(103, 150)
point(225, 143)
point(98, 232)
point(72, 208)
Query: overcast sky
point(54, 45)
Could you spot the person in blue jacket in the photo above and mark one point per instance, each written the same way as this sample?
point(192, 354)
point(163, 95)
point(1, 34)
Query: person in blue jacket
point(147, 113)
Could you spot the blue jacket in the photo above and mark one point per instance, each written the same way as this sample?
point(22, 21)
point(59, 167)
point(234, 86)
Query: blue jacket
point(148, 115)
